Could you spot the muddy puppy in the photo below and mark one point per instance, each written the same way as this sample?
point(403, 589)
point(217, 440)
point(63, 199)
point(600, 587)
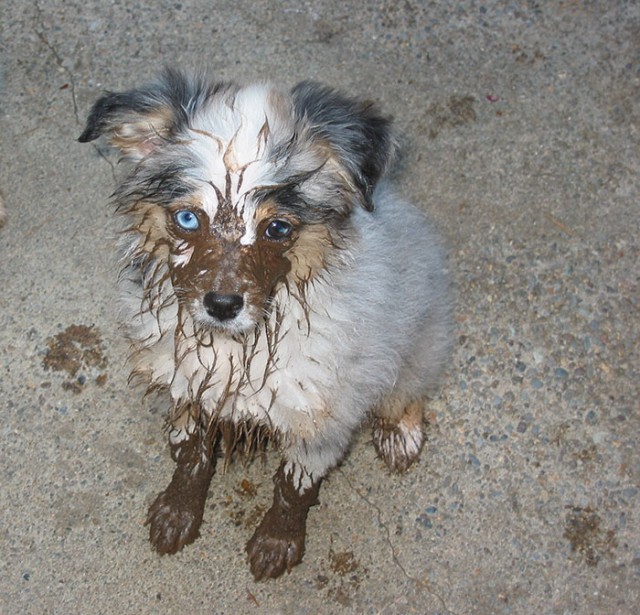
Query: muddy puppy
point(274, 286)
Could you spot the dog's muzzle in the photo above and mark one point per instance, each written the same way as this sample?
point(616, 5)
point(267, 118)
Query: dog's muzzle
point(223, 307)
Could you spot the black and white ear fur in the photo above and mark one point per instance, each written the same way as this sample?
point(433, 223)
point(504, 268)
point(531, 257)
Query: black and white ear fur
point(139, 121)
point(356, 132)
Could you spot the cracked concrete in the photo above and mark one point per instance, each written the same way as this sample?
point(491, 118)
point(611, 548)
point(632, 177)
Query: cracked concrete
point(521, 123)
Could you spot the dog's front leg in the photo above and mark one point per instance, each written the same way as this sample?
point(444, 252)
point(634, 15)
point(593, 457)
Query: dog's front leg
point(176, 514)
point(278, 542)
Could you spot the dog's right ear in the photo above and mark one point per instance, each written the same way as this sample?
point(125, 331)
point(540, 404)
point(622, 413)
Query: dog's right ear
point(139, 121)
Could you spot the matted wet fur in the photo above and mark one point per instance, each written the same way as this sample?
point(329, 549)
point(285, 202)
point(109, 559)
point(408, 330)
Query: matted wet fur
point(273, 284)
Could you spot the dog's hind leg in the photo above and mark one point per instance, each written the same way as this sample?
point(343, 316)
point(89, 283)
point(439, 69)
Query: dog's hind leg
point(398, 433)
point(278, 542)
point(175, 516)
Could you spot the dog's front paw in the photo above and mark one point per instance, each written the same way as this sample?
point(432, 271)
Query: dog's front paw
point(273, 548)
point(173, 522)
point(398, 445)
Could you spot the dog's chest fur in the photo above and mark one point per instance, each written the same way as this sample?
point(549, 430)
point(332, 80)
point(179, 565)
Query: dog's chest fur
point(284, 377)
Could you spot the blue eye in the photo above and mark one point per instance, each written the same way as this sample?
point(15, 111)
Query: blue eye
point(186, 220)
point(278, 229)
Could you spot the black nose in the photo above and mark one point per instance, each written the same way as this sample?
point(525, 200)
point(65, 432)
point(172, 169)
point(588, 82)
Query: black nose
point(223, 307)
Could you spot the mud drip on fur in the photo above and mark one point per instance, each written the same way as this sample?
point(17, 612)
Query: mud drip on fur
point(272, 285)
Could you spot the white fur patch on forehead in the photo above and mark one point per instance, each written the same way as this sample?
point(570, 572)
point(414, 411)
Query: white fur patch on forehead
point(208, 201)
point(231, 138)
point(250, 234)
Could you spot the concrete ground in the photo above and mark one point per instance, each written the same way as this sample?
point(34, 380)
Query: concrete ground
point(522, 128)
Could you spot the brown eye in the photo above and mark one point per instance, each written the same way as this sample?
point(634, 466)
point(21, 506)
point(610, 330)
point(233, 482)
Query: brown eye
point(278, 230)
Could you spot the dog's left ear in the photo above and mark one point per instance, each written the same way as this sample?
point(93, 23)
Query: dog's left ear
point(359, 136)
point(140, 121)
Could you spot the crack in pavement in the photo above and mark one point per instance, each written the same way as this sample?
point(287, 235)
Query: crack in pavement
point(39, 30)
point(394, 555)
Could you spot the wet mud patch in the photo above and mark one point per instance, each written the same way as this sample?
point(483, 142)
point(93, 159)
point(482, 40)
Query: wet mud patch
point(588, 540)
point(457, 111)
point(77, 352)
point(237, 509)
point(343, 562)
point(346, 577)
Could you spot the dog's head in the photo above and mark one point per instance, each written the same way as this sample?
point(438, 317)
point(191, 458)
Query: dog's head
point(238, 190)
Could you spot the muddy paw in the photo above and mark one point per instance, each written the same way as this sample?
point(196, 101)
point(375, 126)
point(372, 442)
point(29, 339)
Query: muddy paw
point(173, 523)
point(271, 554)
point(399, 446)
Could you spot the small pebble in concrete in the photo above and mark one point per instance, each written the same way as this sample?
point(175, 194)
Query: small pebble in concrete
point(473, 460)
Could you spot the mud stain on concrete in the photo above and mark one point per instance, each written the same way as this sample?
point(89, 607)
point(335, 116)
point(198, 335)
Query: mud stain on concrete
point(589, 541)
point(457, 111)
point(74, 351)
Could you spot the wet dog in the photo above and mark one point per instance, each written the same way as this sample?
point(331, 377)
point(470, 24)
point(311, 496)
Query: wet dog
point(274, 286)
